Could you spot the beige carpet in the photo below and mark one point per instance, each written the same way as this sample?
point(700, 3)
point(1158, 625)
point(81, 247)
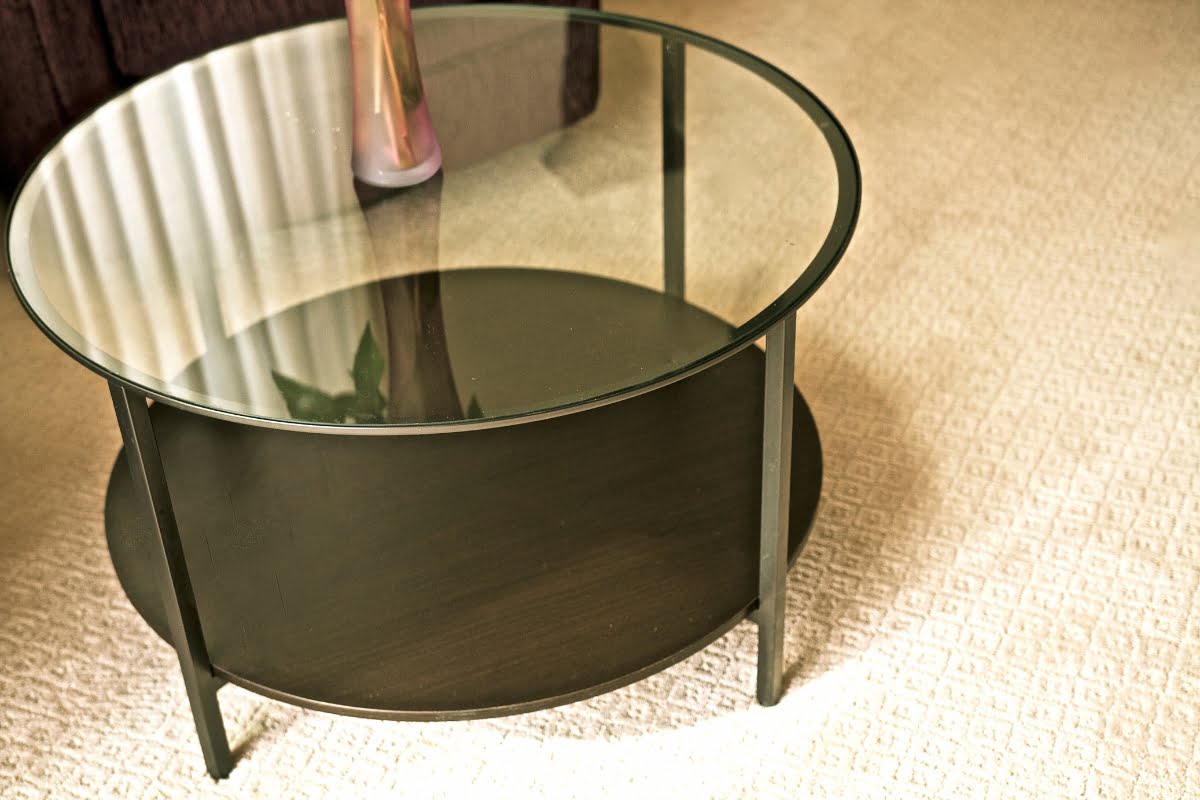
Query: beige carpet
point(1001, 597)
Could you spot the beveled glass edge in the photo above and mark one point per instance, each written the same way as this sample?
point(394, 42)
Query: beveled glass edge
point(806, 284)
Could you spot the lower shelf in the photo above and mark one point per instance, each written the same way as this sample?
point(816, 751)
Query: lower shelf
point(469, 574)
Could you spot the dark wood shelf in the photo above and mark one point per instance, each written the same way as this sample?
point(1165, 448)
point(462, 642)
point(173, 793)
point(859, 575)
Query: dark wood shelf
point(470, 574)
point(477, 573)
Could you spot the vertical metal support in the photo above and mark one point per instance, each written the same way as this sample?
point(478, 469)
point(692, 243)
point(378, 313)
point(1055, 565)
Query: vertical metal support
point(673, 70)
point(776, 494)
point(141, 449)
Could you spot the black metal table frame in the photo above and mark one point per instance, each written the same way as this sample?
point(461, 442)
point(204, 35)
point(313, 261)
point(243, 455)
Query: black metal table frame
point(146, 466)
point(180, 604)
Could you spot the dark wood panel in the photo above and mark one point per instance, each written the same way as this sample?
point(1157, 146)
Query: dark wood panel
point(476, 573)
point(472, 573)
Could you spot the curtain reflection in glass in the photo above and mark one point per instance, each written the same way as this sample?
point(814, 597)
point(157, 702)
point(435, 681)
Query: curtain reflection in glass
point(203, 232)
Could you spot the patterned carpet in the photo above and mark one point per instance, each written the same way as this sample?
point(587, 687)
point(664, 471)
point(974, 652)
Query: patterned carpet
point(1001, 596)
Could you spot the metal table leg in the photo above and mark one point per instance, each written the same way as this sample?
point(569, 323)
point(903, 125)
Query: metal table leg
point(776, 489)
point(150, 483)
point(673, 70)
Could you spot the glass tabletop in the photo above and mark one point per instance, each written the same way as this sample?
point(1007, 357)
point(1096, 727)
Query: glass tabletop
point(620, 204)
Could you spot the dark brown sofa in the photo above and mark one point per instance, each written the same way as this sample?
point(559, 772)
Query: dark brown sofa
point(60, 58)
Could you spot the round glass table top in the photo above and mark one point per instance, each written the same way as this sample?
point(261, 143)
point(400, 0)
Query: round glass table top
point(620, 204)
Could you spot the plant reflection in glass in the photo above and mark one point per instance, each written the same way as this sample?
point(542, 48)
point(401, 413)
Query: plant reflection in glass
point(364, 405)
point(402, 226)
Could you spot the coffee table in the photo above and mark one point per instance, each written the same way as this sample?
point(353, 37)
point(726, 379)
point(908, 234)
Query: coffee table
point(495, 443)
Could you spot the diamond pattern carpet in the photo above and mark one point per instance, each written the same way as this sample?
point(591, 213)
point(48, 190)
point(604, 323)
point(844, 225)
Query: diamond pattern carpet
point(1001, 595)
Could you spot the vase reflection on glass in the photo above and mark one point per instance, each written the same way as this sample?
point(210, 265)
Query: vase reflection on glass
point(394, 141)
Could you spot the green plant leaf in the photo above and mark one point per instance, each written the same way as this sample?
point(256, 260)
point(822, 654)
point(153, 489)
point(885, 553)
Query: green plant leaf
point(305, 402)
point(348, 407)
point(367, 373)
point(344, 403)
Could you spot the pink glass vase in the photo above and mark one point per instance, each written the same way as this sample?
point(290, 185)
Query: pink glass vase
point(394, 141)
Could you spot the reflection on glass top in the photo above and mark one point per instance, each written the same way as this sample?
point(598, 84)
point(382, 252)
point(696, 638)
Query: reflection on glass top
point(202, 237)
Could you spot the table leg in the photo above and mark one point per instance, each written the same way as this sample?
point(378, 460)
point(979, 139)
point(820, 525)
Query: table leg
point(150, 483)
point(673, 165)
point(776, 491)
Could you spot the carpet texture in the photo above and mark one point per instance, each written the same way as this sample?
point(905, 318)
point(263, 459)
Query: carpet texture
point(1001, 595)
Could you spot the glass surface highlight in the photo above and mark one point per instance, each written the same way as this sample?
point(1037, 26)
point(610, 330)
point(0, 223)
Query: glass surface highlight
point(202, 238)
